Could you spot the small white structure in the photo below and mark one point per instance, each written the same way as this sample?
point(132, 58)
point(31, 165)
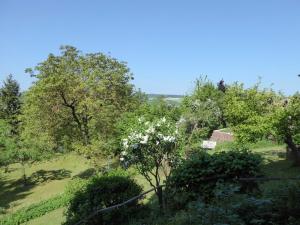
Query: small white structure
point(209, 144)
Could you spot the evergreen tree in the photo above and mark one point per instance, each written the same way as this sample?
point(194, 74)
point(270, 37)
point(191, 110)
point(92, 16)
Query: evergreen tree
point(10, 103)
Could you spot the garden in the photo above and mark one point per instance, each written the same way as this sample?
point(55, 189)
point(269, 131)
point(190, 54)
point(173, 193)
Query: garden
point(83, 145)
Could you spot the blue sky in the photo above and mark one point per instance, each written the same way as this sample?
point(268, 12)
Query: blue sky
point(167, 43)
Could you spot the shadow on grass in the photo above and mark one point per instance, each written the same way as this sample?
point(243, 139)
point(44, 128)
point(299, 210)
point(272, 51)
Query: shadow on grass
point(282, 168)
point(86, 174)
point(11, 191)
point(14, 190)
point(42, 176)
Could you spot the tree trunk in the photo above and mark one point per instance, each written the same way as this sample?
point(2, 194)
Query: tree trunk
point(159, 194)
point(24, 175)
point(293, 151)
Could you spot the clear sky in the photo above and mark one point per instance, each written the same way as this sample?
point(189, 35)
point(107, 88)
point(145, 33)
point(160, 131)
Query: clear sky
point(167, 43)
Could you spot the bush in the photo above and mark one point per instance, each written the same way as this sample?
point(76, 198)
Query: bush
point(101, 192)
point(199, 174)
point(226, 207)
point(286, 203)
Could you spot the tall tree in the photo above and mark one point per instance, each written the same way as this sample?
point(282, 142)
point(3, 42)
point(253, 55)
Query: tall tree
point(286, 126)
point(256, 114)
point(10, 103)
point(76, 99)
point(242, 104)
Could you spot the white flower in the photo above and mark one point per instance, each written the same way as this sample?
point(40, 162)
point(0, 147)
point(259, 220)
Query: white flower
point(150, 130)
point(172, 139)
point(123, 153)
point(135, 135)
point(125, 143)
point(169, 138)
point(163, 120)
point(121, 159)
point(182, 119)
point(157, 142)
point(135, 146)
point(145, 139)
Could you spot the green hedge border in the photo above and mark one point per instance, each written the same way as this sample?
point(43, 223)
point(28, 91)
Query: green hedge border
point(35, 210)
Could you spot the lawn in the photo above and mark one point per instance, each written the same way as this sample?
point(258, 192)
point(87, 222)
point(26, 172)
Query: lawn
point(49, 179)
point(46, 179)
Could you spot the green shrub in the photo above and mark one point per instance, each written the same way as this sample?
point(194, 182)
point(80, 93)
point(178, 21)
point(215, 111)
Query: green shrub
point(226, 207)
point(101, 192)
point(286, 203)
point(198, 175)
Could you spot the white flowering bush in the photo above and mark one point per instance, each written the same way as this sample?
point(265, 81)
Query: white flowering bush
point(151, 148)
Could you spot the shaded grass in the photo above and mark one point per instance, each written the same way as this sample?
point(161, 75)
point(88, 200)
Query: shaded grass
point(46, 179)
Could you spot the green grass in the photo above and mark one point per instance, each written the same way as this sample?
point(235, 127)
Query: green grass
point(56, 217)
point(50, 178)
point(46, 179)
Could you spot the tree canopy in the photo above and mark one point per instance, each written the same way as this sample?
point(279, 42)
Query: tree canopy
point(76, 100)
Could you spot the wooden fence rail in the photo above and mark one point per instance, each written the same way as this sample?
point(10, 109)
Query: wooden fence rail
point(118, 205)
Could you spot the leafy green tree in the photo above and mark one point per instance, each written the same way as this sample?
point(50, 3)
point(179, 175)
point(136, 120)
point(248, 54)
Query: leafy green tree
point(7, 144)
point(286, 126)
point(258, 114)
point(76, 101)
point(241, 104)
point(248, 111)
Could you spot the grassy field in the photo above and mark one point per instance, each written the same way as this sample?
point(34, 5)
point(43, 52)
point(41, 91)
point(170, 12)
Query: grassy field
point(46, 179)
point(50, 178)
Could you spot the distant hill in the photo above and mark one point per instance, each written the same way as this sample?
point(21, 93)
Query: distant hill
point(164, 96)
point(175, 99)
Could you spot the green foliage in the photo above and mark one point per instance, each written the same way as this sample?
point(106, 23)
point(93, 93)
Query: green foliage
point(101, 192)
point(285, 203)
point(10, 103)
point(198, 175)
point(35, 210)
point(151, 147)
point(265, 115)
point(226, 207)
point(76, 101)
point(241, 105)
point(286, 122)
point(148, 111)
point(8, 144)
point(202, 112)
